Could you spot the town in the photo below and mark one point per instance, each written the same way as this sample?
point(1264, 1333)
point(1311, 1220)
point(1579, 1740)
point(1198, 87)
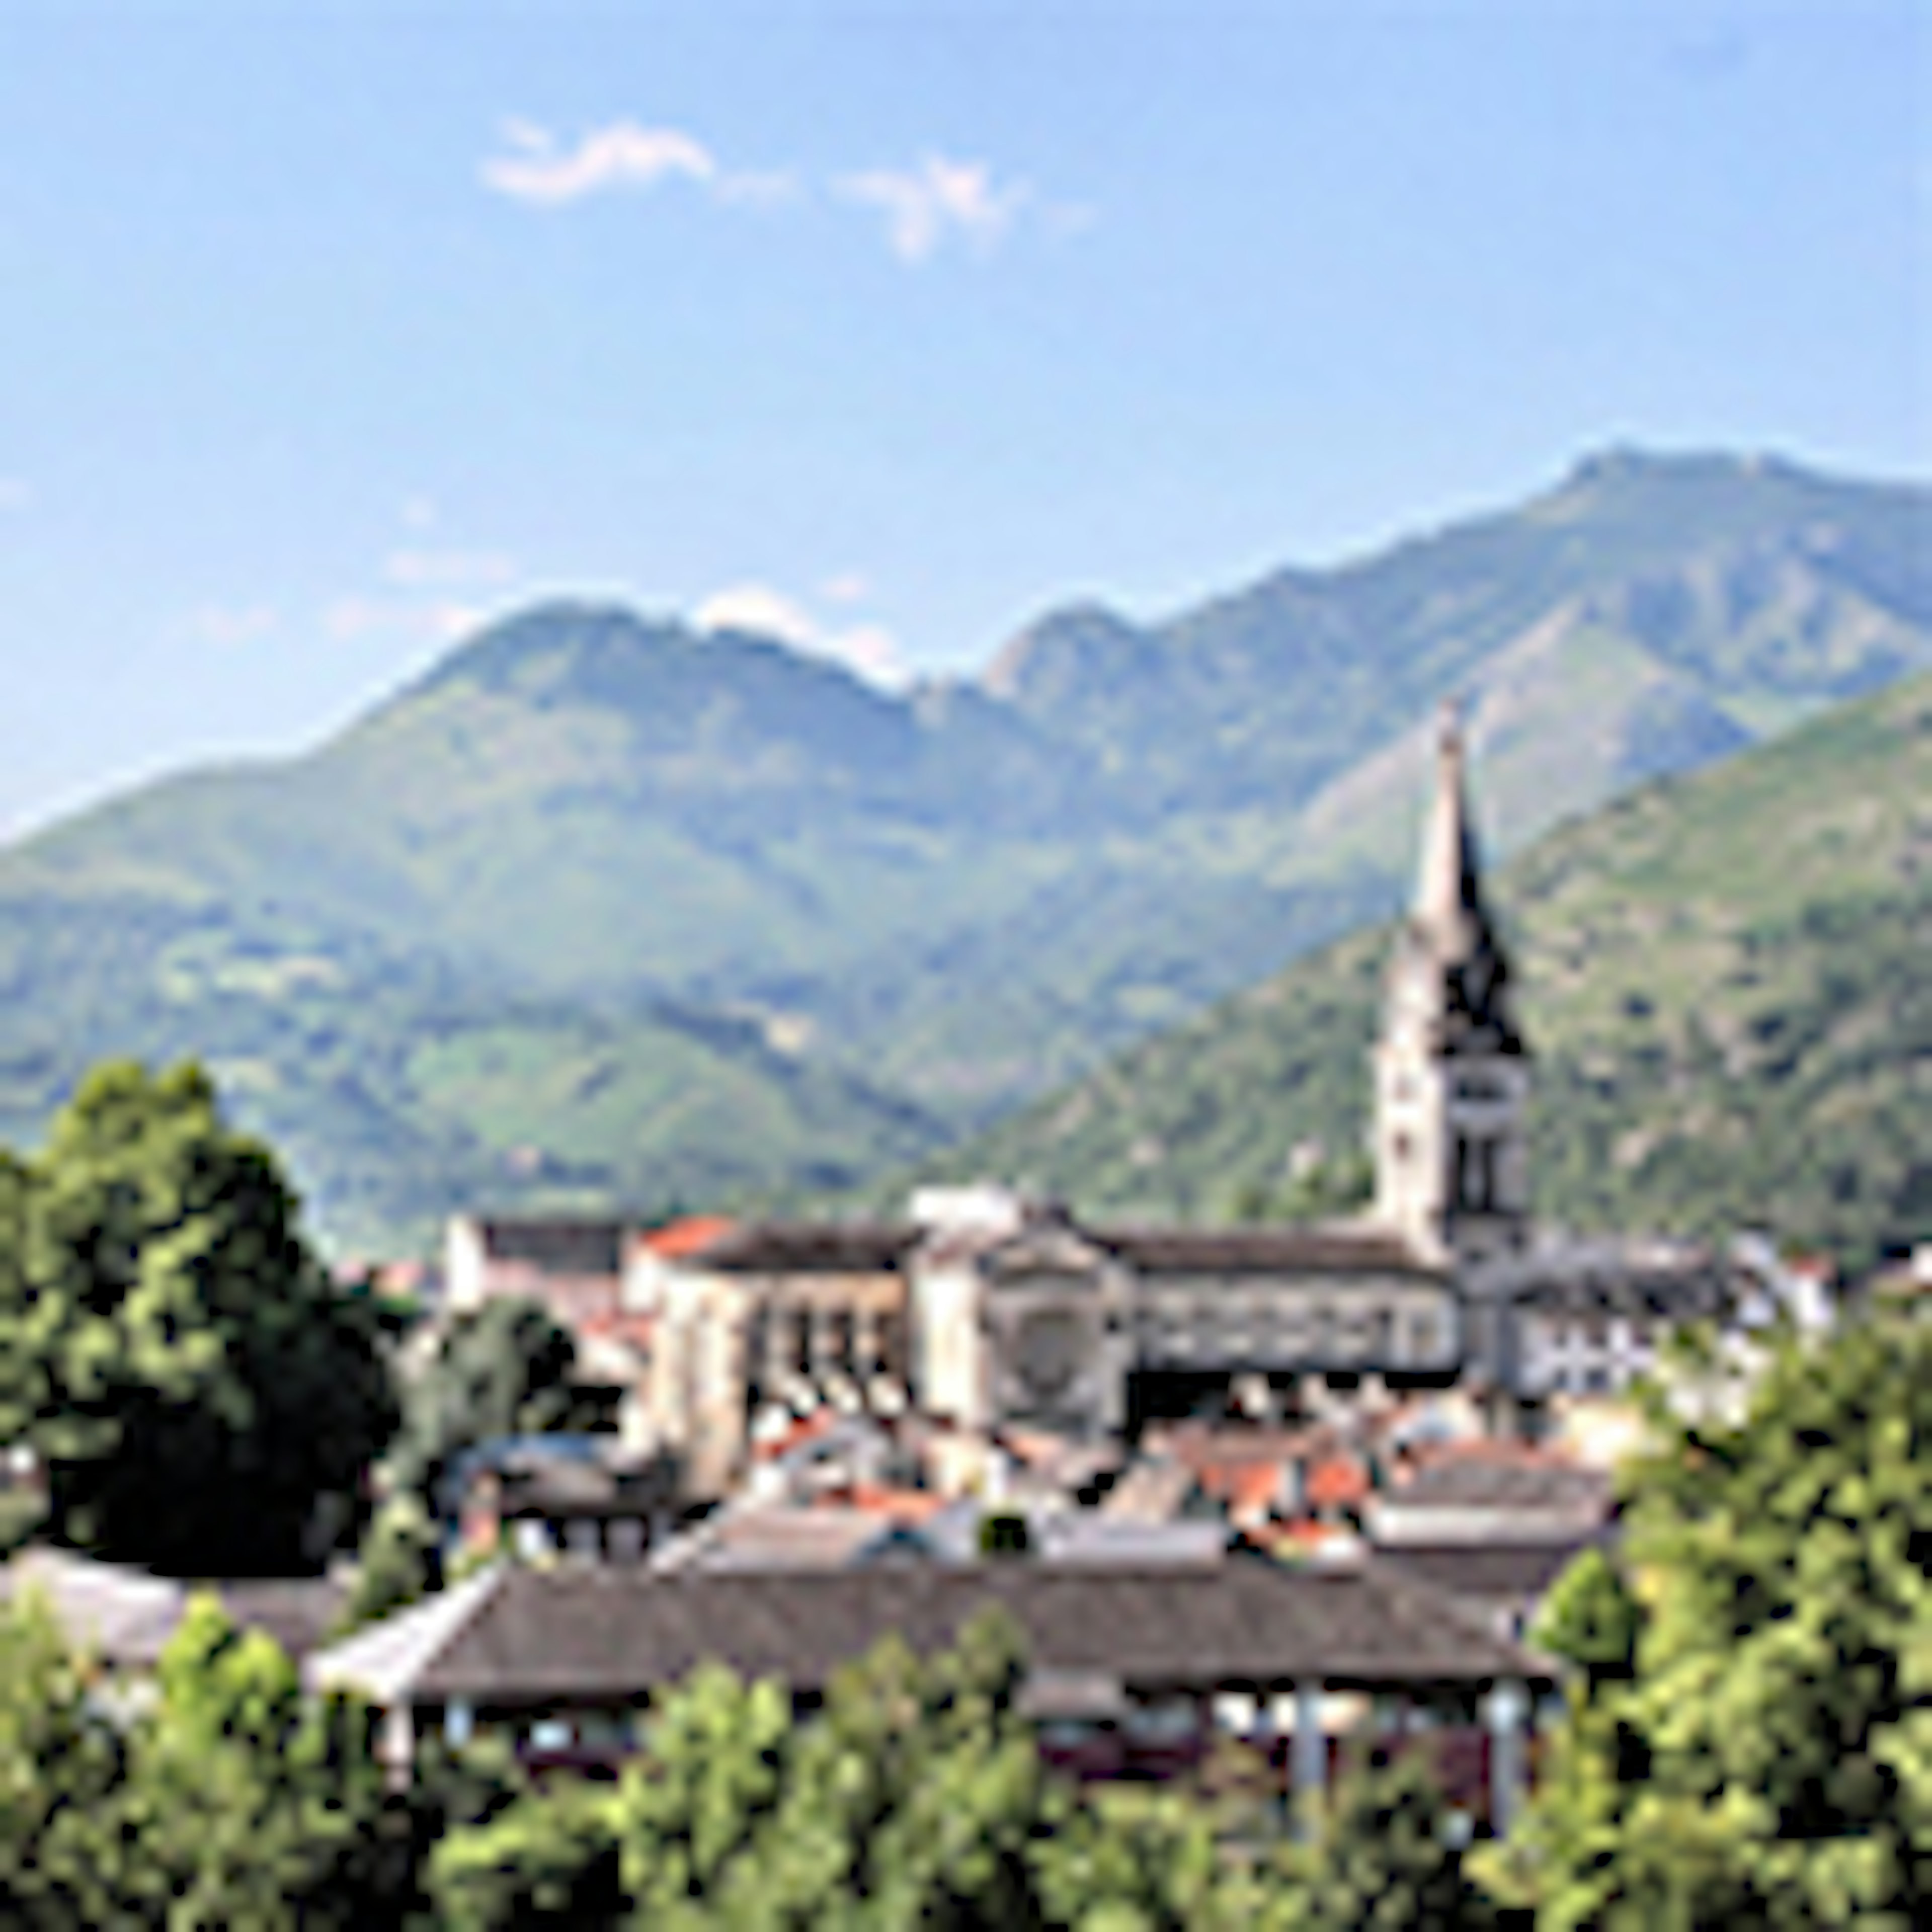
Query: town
point(965, 967)
point(1304, 1491)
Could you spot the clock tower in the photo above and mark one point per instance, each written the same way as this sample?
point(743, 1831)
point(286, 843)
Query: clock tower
point(1451, 1067)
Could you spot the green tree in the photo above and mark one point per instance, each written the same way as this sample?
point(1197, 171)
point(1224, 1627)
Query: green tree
point(60, 1762)
point(1590, 1620)
point(1768, 1760)
point(915, 1797)
point(1323, 1190)
point(1135, 1858)
point(205, 1400)
point(243, 1803)
point(399, 1562)
point(502, 1370)
point(1381, 1859)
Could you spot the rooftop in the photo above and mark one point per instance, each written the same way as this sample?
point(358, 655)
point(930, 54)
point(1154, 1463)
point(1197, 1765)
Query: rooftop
point(515, 1635)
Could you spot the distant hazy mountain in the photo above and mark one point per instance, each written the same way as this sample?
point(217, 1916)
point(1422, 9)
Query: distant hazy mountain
point(605, 907)
point(1724, 980)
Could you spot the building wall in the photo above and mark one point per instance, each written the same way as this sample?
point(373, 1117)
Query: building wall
point(1389, 1324)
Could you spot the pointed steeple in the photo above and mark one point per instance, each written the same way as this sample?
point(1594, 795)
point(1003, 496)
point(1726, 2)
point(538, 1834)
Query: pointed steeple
point(1448, 891)
point(1450, 925)
point(1452, 1071)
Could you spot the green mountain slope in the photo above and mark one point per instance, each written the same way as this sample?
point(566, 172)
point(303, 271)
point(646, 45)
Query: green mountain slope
point(1724, 977)
point(396, 1088)
point(938, 904)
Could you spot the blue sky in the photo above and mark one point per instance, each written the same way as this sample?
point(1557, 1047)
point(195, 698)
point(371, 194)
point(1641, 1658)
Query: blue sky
point(327, 330)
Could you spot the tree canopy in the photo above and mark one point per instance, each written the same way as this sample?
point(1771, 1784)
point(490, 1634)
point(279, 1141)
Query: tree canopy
point(206, 1400)
point(1765, 1758)
point(502, 1370)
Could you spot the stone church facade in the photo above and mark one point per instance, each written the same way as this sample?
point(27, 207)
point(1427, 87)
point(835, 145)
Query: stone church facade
point(984, 1309)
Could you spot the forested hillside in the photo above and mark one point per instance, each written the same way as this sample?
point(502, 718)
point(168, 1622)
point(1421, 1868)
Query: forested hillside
point(1724, 978)
point(610, 912)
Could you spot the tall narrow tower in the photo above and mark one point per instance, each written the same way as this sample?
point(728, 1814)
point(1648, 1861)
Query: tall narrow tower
point(1451, 1067)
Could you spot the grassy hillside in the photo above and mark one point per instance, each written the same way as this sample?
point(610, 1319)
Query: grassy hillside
point(397, 1089)
point(786, 928)
point(1725, 979)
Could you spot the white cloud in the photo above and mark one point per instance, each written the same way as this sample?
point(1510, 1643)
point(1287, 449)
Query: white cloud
point(757, 607)
point(15, 493)
point(625, 155)
point(872, 651)
point(541, 170)
point(869, 649)
point(923, 204)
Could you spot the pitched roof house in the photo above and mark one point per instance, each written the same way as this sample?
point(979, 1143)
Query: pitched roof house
point(565, 1657)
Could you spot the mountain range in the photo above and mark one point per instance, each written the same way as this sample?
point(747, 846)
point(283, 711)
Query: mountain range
point(1723, 979)
point(607, 910)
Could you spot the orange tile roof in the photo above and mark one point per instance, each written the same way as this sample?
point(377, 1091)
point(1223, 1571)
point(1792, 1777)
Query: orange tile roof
point(1250, 1486)
point(691, 1235)
point(901, 1505)
point(1335, 1482)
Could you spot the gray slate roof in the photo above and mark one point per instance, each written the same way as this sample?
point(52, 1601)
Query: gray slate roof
point(1332, 1249)
point(525, 1636)
point(124, 1616)
point(1479, 1482)
point(1510, 1573)
point(810, 1247)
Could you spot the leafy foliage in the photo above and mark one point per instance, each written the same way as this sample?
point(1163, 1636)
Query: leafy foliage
point(916, 1796)
point(502, 1370)
point(59, 1760)
point(1769, 1759)
point(228, 1799)
point(1380, 1856)
point(204, 1399)
point(1590, 1619)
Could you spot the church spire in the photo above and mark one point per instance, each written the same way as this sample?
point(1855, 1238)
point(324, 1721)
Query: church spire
point(1458, 952)
point(1452, 1071)
point(1448, 894)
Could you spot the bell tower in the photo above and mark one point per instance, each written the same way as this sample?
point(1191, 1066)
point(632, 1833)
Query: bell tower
point(1451, 1067)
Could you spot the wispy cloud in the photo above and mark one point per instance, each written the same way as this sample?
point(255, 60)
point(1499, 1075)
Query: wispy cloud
point(924, 204)
point(15, 493)
point(869, 649)
point(922, 207)
point(539, 168)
